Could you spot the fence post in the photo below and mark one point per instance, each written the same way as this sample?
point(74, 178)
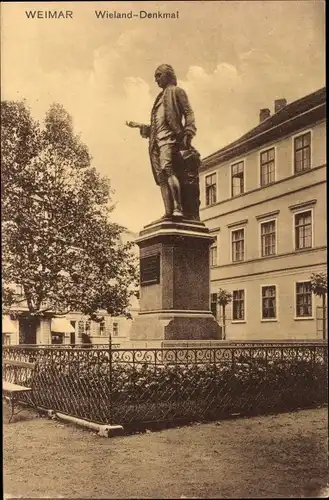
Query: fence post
point(100, 388)
point(110, 367)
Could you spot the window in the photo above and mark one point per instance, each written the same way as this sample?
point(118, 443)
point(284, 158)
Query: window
point(88, 327)
point(267, 167)
point(303, 300)
point(115, 329)
point(102, 327)
point(6, 339)
point(303, 230)
point(238, 245)
point(213, 253)
point(57, 338)
point(268, 237)
point(269, 302)
point(237, 178)
point(238, 305)
point(302, 152)
point(19, 290)
point(211, 188)
point(213, 304)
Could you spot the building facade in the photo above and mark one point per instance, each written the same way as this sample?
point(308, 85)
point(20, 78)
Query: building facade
point(263, 197)
point(73, 328)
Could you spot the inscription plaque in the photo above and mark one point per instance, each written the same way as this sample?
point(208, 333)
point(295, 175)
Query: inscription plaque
point(150, 270)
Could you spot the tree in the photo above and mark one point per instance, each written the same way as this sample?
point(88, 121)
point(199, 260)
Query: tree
point(224, 298)
point(59, 241)
point(319, 286)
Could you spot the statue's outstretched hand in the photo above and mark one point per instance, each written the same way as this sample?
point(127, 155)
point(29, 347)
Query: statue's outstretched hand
point(145, 131)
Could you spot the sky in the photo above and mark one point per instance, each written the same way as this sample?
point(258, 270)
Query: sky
point(231, 57)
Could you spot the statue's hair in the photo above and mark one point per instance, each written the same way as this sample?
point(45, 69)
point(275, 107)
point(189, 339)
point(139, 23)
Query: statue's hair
point(169, 70)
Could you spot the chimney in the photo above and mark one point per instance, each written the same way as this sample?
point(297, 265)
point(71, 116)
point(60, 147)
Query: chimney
point(264, 114)
point(279, 104)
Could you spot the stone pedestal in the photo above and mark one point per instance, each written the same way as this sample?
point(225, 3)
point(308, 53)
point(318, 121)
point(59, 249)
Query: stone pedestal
point(175, 283)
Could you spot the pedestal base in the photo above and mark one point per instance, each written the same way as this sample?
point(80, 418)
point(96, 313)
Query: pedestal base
point(175, 283)
point(175, 325)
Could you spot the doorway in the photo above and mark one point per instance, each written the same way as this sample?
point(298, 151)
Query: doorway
point(28, 330)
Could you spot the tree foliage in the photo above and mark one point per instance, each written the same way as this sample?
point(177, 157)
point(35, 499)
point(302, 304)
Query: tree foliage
point(223, 297)
point(59, 241)
point(319, 284)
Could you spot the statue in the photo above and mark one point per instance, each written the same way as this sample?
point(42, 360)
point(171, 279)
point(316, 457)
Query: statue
point(175, 163)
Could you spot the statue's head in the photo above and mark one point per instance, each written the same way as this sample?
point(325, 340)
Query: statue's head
point(165, 75)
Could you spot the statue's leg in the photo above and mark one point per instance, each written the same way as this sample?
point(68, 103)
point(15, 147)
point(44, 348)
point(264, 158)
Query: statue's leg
point(166, 161)
point(167, 198)
point(161, 180)
point(174, 187)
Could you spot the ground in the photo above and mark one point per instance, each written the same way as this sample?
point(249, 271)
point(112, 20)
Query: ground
point(274, 456)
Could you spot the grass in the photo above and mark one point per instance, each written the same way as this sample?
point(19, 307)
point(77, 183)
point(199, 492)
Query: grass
point(275, 456)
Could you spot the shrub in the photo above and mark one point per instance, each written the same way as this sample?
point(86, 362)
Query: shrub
point(297, 381)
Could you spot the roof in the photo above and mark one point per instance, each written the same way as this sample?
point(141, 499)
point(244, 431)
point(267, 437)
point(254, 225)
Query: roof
point(276, 124)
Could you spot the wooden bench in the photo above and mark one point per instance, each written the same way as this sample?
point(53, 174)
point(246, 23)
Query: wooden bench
point(13, 390)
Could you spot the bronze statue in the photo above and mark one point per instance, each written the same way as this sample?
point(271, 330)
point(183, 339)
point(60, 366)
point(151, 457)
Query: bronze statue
point(174, 161)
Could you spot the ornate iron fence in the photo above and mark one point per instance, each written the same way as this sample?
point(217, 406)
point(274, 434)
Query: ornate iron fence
point(31, 352)
point(138, 386)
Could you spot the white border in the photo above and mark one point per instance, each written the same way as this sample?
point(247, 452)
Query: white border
point(274, 146)
point(269, 320)
point(293, 137)
point(302, 318)
point(265, 221)
point(243, 160)
point(300, 211)
point(239, 321)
